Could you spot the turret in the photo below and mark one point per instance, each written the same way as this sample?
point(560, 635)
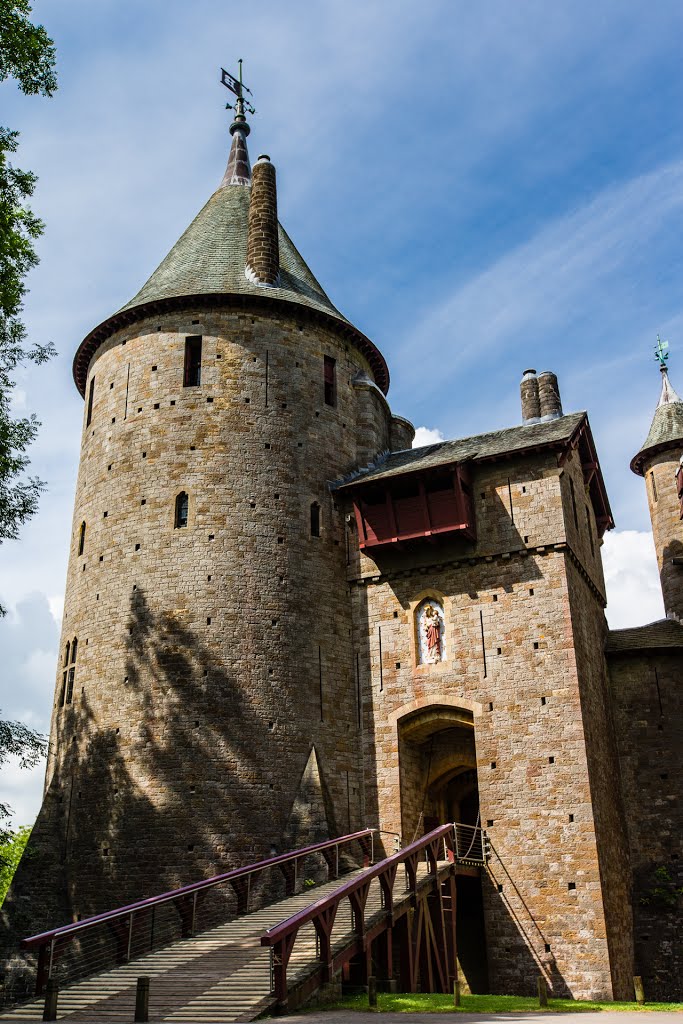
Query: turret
point(658, 462)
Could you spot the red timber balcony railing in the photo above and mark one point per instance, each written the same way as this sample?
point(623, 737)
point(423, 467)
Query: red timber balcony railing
point(413, 506)
point(118, 936)
point(377, 903)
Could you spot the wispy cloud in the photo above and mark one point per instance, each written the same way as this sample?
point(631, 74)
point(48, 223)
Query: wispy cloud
point(539, 290)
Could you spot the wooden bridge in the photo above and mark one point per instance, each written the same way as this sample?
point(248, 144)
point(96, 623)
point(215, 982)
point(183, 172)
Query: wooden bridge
point(394, 919)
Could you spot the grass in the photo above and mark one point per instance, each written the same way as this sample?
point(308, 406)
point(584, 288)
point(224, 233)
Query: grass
point(426, 1003)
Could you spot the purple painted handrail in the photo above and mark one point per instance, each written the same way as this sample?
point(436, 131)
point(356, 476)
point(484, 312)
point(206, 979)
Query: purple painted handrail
point(293, 923)
point(90, 922)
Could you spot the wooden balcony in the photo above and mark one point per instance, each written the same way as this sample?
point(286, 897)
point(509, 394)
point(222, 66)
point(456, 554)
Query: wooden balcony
point(414, 506)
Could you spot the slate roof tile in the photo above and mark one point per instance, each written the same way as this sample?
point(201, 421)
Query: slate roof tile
point(481, 446)
point(660, 635)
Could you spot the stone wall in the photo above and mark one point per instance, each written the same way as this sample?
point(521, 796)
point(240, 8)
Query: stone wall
point(211, 657)
point(646, 695)
point(667, 526)
point(589, 629)
point(511, 661)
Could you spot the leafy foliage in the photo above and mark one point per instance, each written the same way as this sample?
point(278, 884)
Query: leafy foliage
point(663, 891)
point(11, 850)
point(27, 55)
point(17, 740)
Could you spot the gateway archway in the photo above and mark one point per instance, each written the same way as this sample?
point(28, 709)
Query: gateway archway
point(438, 779)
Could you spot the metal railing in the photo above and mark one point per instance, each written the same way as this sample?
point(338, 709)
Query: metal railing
point(118, 936)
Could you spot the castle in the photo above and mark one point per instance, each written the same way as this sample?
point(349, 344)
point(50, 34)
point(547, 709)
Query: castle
point(282, 623)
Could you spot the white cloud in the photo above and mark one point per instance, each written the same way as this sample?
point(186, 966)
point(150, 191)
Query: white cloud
point(634, 595)
point(545, 283)
point(22, 790)
point(427, 435)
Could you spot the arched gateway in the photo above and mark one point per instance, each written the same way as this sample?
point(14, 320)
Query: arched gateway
point(438, 784)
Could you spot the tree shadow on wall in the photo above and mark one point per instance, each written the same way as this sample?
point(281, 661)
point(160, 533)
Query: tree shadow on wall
point(180, 785)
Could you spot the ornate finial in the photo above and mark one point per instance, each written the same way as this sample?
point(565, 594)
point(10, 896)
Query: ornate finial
point(237, 86)
point(662, 352)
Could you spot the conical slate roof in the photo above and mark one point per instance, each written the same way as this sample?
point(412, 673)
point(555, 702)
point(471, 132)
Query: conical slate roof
point(207, 265)
point(211, 255)
point(666, 429)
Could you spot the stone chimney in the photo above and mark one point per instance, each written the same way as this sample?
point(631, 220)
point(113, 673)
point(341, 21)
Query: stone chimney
point(531, 407)
point(549, 396)
point(263, 254)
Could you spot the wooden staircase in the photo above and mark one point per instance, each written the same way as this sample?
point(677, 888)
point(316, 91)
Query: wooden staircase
point(221, 975)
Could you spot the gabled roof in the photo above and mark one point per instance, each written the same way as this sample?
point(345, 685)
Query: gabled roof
point(660, 635)
point(206, 266)
point(499, 443)
point(666, 429)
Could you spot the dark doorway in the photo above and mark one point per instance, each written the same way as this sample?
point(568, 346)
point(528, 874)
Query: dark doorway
point(470, 934)
point(439, 785)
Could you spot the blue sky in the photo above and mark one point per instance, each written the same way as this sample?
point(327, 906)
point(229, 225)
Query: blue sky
point(479, 188)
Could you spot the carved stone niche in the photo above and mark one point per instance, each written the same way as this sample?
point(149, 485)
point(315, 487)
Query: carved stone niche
point(430, 632)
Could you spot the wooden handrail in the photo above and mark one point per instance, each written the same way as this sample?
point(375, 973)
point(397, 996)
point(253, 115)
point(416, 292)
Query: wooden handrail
point(44, 938)
point(292, 924)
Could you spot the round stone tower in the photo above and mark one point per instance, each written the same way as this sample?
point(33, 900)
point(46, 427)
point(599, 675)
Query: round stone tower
point(658, 461)
point(206, 703)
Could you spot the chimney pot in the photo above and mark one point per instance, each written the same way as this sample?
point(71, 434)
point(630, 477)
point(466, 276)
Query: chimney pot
point(531, 409)
point(263, 254)
point(549, 396)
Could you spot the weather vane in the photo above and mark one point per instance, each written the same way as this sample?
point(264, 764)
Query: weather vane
point(661, 351)
point(237, 86)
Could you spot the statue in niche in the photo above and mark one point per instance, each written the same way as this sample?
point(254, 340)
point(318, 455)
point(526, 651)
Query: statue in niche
point(430, 632)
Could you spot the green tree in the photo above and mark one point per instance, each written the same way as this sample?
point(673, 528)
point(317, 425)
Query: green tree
point(11, 850)
point(17, 740)
point(27, 55)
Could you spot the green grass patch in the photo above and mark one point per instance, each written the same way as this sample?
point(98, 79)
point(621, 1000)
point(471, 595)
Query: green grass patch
point(422, 1002)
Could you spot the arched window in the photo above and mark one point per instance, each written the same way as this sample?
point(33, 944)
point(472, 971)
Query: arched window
point(431, 632)
point(91, 395)
point(69, 678)
point(81, 538)
point(182, 508)
point(329, 380)
point(62, 694)
point(315, 519)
